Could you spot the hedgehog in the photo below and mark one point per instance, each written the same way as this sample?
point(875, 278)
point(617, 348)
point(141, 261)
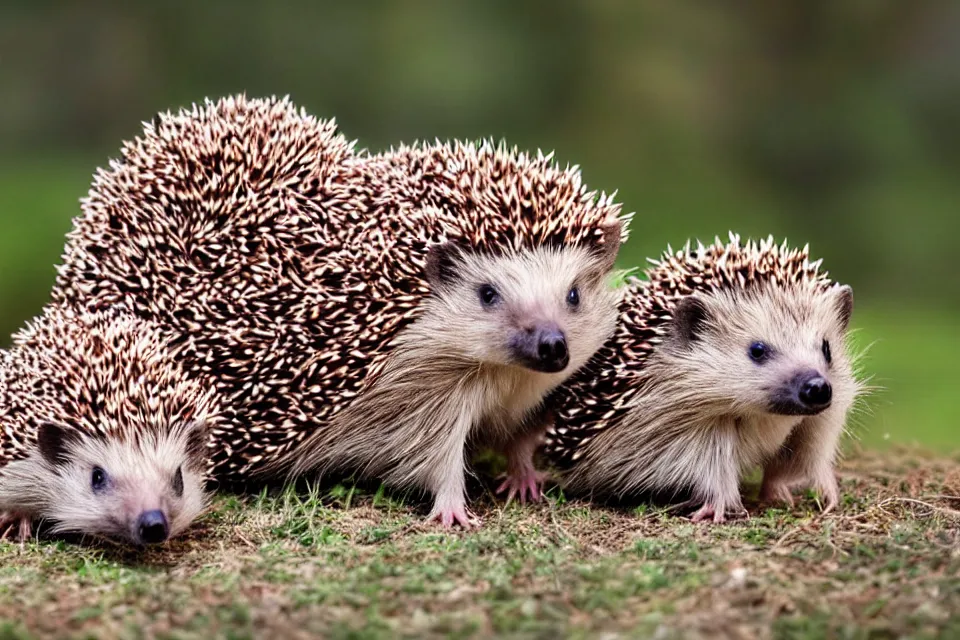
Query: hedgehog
point(725, 358)
point(371, 314)
point(102, 433)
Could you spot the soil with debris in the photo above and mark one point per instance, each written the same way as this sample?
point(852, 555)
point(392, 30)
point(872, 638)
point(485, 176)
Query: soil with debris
point(342, 562)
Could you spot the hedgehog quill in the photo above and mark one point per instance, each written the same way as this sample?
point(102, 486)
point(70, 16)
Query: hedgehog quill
point(725, 357)
point(372, 314)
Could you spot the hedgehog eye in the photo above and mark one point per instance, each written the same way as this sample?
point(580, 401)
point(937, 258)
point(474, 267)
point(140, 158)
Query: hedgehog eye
point(98, 480)
point(825, 348)
point(178, 482)
point(489, 296)
point(573, 297)
point(759, 352)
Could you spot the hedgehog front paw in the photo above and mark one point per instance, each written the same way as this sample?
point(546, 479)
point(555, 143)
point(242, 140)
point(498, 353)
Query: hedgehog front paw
point(524, 484)
point(717, 512)
point(448, 515)
point(829, 489)
point(776, 492)
point(15, 525)
point(708, 512)
point(462, 517)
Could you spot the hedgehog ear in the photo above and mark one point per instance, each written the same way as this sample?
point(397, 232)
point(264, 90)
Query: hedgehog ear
point(689, 318)
point(54, 442)
point(844, 304)
point(197, 435)
point(441, 263)
point(609, 245)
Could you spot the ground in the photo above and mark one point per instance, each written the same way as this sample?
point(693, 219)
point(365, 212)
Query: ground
point(344, 563)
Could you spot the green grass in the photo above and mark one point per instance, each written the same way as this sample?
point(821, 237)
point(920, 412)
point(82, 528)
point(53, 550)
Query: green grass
point(344, 563)
point(912, 358)
point(37, 202)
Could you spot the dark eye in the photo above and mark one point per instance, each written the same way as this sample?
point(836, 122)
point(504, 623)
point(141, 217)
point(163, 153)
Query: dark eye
point(178, 482)
point(825, 348)
point(98, 479)
point(573, 298)
point(489, 296)
point(759, 352)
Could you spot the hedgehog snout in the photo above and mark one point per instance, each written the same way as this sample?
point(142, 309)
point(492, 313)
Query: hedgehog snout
point(541, 348)
point(806, 393)
point(152, 527)
point(816, 392)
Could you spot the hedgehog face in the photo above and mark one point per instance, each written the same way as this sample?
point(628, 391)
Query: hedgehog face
point(140, 491)
point(768, 350)
point(545, 310)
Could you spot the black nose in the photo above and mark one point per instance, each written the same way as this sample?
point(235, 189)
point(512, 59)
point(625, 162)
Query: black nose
point(816, 393)
point(153, 527)
point(552, 351)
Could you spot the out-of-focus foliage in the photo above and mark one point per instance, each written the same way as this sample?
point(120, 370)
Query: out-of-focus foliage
point(833, 123)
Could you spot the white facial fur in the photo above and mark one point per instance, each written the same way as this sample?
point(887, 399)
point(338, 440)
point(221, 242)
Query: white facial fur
point(533, 290)
point(133, 478)
point(792, 325)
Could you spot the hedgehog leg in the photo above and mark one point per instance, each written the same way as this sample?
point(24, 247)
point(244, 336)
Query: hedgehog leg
point(522, 479)
point(719, 483)
point(447, 481)
point(807, 460)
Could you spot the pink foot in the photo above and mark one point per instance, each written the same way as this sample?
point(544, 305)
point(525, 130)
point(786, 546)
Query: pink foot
point(707, 512)
point(829, 490)
point(718, 514)
point(19, 526)
point(776, 492)
point(528, 483)
point(448, 516)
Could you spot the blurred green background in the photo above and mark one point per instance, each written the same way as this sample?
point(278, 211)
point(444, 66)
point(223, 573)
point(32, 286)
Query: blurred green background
point(830, 122)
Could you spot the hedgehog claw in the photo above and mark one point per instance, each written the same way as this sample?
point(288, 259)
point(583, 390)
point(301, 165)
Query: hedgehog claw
point(529, 483)
point(457, 515)
point(776, 492)
point(707, 512)
point(718, 515)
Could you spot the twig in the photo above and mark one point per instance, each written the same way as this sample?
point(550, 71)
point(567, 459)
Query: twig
point(953, 513)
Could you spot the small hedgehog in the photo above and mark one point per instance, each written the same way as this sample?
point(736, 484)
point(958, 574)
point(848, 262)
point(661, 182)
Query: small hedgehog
point(102, 434)
point(371, 314)
point(726, 357)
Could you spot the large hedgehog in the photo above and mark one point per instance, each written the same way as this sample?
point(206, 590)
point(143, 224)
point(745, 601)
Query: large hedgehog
point(102, 432)
point(370, 314)
point(726, 357)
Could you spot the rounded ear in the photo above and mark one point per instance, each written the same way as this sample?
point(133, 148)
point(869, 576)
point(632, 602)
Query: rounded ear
point(609, 245)
point(690, 316)
point(198, 434)
point(54, 442)
point(844, 304)
point(441, 263)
